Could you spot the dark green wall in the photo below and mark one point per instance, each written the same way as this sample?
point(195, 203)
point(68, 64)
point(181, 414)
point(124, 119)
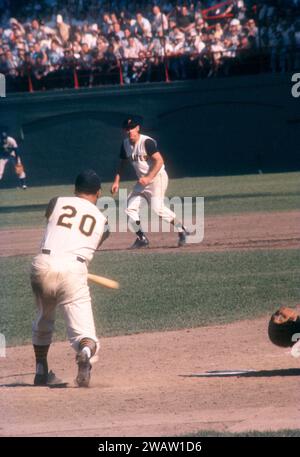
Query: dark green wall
point(205, 127)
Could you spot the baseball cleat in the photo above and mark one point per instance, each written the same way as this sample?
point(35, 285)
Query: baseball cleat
point(84, 369)
point(138, 244)
point(47, 379)
point(182, 239)
point(182, 236)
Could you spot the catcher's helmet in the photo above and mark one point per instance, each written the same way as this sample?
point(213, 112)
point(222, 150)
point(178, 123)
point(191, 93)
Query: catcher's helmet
point(3, 136)
point(282, 334)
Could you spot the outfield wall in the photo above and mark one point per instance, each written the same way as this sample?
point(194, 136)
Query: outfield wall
point(206, 127)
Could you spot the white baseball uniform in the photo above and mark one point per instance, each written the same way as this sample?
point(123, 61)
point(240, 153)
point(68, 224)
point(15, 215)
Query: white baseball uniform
point(59, 272)
point(139, 154)
point(9, 153)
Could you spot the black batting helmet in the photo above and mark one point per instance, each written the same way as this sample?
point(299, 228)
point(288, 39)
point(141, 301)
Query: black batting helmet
point(282, 334)
point(87, 182)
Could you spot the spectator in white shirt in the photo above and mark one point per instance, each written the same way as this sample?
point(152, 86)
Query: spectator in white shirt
point(159, 45)
point(91, 35)
point(133, 49)
point(142, 26)
point(117, 31)
point(199, 45)
point(62, 28)
point(125, 40)
point(159, 21)
point(55, 54)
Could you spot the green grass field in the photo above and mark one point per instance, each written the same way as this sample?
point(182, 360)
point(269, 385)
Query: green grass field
point(170, 290)
point(165, 291)
point(230, 194)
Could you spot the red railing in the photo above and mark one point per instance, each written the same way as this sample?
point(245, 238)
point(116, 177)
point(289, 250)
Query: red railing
point(76, 73)
point(215, 7)
point(80, 77)
point(207, 17)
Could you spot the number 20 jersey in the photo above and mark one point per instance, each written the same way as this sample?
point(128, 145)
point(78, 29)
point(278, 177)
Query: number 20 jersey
point(75, 227)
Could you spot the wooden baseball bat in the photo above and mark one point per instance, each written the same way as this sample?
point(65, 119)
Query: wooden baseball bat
point(102, 281)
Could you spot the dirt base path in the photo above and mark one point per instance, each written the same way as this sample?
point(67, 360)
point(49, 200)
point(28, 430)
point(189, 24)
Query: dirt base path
point(231, 232)
point(142, 386)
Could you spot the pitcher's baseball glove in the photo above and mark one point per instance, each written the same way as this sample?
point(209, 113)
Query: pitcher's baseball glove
point(284, 323)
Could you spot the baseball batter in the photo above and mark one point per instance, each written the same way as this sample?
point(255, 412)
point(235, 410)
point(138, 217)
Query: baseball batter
point(75, 229)
point(142, 152)
point(9, 153)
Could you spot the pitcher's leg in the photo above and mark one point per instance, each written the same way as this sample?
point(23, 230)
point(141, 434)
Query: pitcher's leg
point(134, 202)
point(158, 191)
point(132, 210)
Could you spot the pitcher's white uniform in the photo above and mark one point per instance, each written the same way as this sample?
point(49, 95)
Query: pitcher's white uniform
point(59, 272)
point(139, 154)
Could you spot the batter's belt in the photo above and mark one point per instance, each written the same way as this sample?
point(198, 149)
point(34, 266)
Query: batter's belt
point(48, 252)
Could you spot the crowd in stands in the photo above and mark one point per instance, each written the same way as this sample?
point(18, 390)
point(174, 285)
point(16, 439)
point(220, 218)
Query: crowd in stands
point(56, 44)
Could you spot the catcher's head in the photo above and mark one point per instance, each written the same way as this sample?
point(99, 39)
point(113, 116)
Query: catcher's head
point(283, 325)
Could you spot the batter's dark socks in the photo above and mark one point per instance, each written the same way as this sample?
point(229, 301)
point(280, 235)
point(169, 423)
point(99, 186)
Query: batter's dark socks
point(41, 353)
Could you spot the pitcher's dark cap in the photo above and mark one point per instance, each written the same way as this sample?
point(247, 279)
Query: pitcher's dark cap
point(87, 182)
point(131, 123)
